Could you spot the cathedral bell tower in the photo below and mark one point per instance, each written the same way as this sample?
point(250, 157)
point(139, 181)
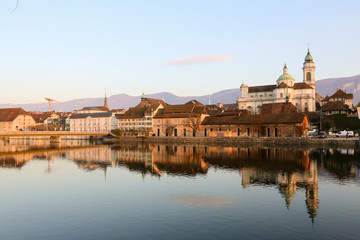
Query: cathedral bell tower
point(309, 70)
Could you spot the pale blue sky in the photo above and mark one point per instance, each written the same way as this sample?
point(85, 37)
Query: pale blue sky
point(66, 49)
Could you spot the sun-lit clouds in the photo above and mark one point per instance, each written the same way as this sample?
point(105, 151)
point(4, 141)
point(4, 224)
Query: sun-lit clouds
point(201, 59)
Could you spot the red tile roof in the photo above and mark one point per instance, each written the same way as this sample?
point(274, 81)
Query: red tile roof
point(265, 88)
point(9, 114)
point(335, 106)
point(41, 117)
point(276, 108)
point(282, 85)
point(302, 85)
point(289, 118)
point(97, 108)
point(341, 94)
point(182, 111)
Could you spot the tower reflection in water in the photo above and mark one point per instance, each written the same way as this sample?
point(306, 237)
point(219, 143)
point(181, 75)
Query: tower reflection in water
point(288, 170)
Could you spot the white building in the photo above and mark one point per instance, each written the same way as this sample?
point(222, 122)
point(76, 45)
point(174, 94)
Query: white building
point(93, 122)
point(301, 94)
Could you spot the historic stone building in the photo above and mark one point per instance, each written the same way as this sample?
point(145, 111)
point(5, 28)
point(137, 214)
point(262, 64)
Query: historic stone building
point(139, 119)
point(15, 119)
point(274, 120)
point(301, 94)
point(180, 120)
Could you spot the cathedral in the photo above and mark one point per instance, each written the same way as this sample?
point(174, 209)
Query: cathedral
point(301, 94)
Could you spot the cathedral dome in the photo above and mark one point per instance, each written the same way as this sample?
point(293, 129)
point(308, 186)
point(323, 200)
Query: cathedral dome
point(285, 75)
point(308, 58)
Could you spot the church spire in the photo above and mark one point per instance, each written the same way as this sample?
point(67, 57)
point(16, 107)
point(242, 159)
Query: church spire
point(105, 101)
point(143, 96)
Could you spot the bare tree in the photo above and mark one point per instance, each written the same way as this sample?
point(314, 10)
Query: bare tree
point(194, 124)
point(169, 129)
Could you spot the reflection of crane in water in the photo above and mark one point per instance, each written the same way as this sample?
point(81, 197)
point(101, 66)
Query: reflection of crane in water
point(50, 169)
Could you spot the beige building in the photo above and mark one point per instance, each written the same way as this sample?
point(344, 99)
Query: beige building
point(301, 94)
point(15, 119)
point(140, 118)
point(180, 120)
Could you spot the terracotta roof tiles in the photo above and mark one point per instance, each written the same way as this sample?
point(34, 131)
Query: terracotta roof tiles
point(265, 88)
point(289, 118)
point(9, 114)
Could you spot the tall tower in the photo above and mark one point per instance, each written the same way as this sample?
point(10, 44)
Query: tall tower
point(105, 101)
point(309, 70)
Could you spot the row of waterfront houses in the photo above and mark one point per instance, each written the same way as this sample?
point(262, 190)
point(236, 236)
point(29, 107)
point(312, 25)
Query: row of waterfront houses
point(286, 108)
point(155, 117)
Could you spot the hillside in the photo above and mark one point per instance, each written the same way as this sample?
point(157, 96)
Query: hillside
point(349, 84)
point(324, 87)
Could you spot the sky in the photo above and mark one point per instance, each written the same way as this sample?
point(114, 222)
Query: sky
point(66, 49)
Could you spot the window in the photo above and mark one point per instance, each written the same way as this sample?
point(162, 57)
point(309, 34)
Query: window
point(308, 76)
point(281, 95)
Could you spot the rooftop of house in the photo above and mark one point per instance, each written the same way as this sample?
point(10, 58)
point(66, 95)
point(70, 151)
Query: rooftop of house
point(41, 117)
point(151, 101)
point(182, 111)
point(341, 94)
point(10, 114)
point(335, 106)
point(264, 88)
point(290, 118)
point(92, 115)
point(277, 108)
point(96, 108)
point(302, 85)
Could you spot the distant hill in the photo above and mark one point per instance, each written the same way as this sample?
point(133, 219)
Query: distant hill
point(324, 87)
point(126, 101)
point(349, 84)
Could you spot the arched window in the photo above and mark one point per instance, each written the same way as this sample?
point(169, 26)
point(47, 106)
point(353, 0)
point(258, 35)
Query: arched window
point(308, 76)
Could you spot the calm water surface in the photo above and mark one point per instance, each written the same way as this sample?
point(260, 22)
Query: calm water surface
point(76, 190)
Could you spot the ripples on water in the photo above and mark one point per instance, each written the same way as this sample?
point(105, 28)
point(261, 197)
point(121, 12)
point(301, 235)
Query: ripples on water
point(76, 190)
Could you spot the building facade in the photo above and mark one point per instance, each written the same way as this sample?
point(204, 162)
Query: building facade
point(301, 94)
point(180, 120)
point(93, 122)
point(140, 118)
point(257, 125)
point(15, 119)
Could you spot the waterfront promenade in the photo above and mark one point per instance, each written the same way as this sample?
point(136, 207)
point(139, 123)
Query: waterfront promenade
point(249, 141)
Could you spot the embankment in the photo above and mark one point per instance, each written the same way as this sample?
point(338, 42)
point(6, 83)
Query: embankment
point(249, 141)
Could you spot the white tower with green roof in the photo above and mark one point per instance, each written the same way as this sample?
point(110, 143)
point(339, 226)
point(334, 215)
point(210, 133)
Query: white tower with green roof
point(309, 70)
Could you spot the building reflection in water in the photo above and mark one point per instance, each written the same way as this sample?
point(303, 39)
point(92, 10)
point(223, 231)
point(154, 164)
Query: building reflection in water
point(286, 169)
point(157, 159)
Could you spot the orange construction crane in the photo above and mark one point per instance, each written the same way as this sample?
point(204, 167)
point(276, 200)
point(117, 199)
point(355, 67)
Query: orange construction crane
point(50, 100)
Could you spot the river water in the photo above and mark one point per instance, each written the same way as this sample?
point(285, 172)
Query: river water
point(78, 190)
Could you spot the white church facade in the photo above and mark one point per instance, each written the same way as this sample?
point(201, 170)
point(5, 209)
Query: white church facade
point(301, 94)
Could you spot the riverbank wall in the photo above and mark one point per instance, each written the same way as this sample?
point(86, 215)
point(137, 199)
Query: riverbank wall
point(248, 141)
